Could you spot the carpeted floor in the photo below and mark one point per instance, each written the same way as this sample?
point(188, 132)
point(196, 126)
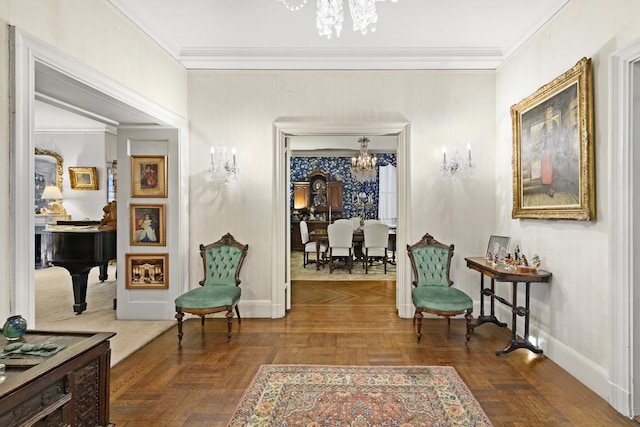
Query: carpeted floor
point(54, 311)
point(317, 395)
point(376, 272)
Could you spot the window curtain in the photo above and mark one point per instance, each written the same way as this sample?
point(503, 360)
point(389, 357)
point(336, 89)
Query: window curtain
point(388, 195)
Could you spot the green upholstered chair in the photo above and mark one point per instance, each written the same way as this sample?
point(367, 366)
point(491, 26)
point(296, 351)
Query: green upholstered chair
point(219, 290)
point(432, 292)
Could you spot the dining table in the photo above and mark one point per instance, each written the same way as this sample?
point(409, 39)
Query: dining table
point(320, 236)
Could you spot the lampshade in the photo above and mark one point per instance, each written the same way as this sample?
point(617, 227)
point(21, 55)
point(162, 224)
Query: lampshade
point(51, 192)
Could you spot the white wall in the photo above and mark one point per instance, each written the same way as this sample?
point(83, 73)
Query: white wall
point(96, 34)
point(79, 149)
point(239, 107)
point(570, 315)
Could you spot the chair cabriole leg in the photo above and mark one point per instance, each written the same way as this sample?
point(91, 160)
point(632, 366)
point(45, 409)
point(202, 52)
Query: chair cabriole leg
point(179, 316)
point(419, 317)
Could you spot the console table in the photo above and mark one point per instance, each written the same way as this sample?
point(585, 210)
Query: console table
point(498, 273)
point(67, 388)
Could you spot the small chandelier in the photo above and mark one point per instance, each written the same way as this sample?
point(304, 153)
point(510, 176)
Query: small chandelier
point(456, 166)
point(363, 168)
point(223, 167)
point(330, 15)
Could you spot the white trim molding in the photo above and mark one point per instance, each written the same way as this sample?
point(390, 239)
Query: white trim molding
point(621, 318)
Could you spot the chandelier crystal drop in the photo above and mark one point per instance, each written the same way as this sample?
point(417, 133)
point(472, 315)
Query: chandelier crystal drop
point(363, 167)
point(330, 15)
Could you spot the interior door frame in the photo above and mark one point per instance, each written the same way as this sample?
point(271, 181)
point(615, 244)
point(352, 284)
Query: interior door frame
point(26, 51)
point(281, 237)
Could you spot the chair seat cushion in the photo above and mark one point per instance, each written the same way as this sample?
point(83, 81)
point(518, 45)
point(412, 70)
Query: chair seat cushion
point(441, 298)
point(211, 296)
point(311, 247)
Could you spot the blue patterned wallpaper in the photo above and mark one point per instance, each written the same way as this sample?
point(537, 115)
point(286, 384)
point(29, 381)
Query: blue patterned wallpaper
point(338, 168)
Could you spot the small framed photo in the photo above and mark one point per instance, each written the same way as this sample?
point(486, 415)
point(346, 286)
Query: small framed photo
point(148, 226)
point(147, 271)
point(83, 178)
point(148, 176)
point(497, 245)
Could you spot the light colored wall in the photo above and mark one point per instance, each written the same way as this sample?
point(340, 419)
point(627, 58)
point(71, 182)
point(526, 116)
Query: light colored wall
point(570, 315)
point(239, 107)
point(96, 34)
point(79, 149)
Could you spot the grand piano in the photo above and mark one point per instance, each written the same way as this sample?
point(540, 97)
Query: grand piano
point(78, 246)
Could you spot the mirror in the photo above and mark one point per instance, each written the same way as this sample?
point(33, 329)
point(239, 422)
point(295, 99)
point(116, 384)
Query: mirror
point(48, 171)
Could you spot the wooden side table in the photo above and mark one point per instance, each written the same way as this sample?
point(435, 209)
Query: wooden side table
point(500, 274)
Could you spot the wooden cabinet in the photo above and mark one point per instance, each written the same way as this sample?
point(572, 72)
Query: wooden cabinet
point(334, 195)
point(68, 388)
point(300, 195)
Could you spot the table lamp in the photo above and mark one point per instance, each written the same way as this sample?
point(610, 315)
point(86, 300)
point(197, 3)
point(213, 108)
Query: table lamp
point(53, 193)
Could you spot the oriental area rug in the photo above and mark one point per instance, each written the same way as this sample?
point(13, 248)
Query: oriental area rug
point(319, 395)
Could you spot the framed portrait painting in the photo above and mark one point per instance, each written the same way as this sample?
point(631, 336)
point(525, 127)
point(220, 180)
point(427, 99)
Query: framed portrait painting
point(83, 178)
point(553, 154)
point(148, 176)
point(147, 271)
point(148, 225)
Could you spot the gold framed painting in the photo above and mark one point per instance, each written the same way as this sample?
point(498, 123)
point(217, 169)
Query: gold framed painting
point(83, 178)
point(148, 176)
point(147, 271)
point(147, 225)
point(553, 154)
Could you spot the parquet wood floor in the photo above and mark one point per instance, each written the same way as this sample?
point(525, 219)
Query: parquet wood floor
point(341, 323)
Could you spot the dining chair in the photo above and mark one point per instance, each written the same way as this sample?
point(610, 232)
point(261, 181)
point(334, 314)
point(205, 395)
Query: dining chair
point(309, 246)
point(219, 289)
point(432, 287)
point(376, 239)
point(340, 235)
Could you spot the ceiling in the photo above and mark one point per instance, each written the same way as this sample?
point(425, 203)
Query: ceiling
point(411, 34)
point(264, 34)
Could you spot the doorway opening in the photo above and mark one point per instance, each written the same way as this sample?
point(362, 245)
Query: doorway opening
point(287, 127)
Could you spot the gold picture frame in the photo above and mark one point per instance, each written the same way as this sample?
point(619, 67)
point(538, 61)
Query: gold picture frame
point(553, 154)
point(83, 178)
point(148, 176)
point(147, 225)
point(147, 271)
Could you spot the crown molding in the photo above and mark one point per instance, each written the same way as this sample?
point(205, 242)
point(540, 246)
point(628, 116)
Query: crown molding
point(340, 59)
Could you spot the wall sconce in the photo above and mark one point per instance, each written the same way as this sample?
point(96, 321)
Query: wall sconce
point(53, 193)
point(223, 166)
point(456, 166)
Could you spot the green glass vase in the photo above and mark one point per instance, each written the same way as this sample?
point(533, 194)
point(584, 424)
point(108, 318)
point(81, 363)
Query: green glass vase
point(14, 328)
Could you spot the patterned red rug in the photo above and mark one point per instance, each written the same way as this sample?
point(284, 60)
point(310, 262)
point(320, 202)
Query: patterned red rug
point(319, 395)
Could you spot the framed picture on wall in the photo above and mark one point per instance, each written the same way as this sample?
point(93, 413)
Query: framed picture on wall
point(148, 176)
point(83, 178)
point(553, 155)
point(147, 224)
point(147, 271)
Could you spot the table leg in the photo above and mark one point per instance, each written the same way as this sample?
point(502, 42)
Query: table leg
point(317, 255)
point(482, 319)
point(517, 342)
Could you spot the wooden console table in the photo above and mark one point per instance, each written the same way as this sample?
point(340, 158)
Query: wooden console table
point(68, 388)
point(500, 274)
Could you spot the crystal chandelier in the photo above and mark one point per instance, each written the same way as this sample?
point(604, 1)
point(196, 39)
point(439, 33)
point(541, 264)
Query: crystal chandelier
point(363, 167)
point(330, 15)
point(457, 166)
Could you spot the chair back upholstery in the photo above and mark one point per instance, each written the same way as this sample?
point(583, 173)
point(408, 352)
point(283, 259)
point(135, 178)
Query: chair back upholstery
point(371, 221)
point(376, 236)
point(430, 262)
point(222, 261)
point(355, 221)
point(304, 232)
point(340, 235)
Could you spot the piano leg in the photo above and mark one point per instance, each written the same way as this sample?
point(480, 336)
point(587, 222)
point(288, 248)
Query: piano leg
point(79, 281)
point(104, 275)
